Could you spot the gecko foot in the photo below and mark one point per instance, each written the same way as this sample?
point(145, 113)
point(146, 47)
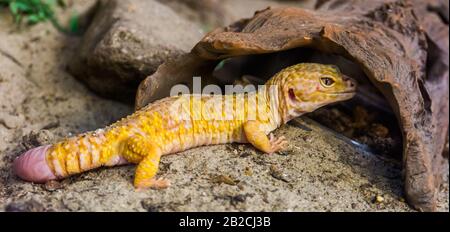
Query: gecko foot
point(153, 184)
point(277, 144)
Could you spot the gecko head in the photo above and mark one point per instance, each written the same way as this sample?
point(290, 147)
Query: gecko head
point(307, 86)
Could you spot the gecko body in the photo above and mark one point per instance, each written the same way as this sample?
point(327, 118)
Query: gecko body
point(179, 123)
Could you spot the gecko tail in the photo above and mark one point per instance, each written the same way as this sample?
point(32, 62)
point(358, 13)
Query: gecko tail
point(69, 157)
point(32, 166)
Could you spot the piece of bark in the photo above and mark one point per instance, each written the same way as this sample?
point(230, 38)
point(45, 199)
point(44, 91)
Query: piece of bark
point(385, 38)
point(432, 18)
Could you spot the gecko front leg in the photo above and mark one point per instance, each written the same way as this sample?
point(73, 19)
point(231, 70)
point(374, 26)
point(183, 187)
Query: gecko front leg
point(140, 150)
point(256, 136)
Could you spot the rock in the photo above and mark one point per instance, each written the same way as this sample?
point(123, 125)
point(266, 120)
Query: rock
point(278, 174)
point(378, 199)
point(127, 41)
point(52, 186)
point(35, 139)
point(225, 179)
point(248, 171)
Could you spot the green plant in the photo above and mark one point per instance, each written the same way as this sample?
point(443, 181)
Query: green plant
point(35, 11)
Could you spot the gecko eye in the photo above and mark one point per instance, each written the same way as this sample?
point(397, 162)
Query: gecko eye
point(327, 81)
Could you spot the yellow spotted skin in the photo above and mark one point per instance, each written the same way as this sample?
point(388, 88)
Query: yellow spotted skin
point(179, 123)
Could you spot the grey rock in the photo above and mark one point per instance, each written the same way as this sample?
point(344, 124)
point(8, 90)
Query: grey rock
point(39, 138)
point(126, 41)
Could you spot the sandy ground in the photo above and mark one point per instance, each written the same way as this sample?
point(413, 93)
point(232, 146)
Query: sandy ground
point(40, 102)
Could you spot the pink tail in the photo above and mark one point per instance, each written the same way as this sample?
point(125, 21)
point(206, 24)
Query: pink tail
point(32, 166)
